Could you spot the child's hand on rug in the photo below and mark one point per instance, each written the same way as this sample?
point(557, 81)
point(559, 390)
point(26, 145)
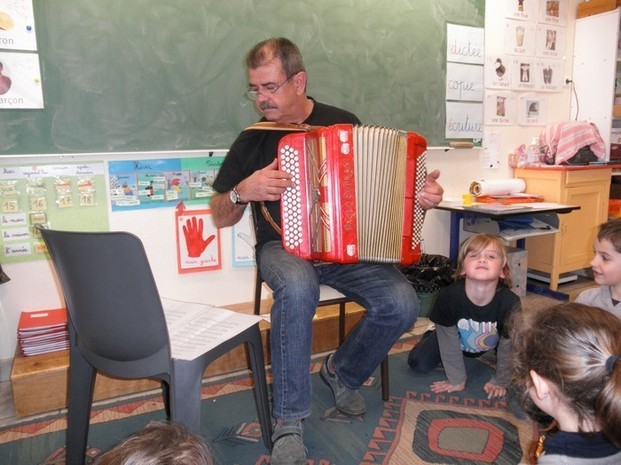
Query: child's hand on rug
point(445, 386)
point(493, 390)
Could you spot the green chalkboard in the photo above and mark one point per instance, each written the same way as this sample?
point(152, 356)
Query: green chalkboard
point(153, 75)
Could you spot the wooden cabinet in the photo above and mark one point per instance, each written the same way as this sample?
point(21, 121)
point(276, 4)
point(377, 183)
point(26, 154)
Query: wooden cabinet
point(571, 248)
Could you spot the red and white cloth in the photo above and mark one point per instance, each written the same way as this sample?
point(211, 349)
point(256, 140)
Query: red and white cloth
point(564, 139)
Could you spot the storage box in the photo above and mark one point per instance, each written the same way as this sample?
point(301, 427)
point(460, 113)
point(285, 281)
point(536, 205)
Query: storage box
point(614, 208)
point(594, 7)
point(427, 301)
point(616, 111)
point(518, 266)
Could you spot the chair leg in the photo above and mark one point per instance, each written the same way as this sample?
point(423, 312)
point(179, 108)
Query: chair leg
point(257, 365)
point(258, 284)
point(79, 401)
point(341, 322)
point(166, 397)
point(385, 379)
point(185, 393)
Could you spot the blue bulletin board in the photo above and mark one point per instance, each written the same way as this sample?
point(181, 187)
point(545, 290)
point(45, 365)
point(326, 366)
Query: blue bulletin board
point(163, 182)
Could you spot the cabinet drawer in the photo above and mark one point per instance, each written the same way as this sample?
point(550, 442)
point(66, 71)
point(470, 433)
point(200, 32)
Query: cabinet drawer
point(587, 175)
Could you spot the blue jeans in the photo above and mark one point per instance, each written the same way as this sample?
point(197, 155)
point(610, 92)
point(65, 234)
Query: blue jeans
point(388, 297)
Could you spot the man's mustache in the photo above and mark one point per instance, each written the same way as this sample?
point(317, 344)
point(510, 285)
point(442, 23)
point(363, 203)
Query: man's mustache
point(267, 106)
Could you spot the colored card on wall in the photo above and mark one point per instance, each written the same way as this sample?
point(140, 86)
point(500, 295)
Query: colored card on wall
point(198, 241)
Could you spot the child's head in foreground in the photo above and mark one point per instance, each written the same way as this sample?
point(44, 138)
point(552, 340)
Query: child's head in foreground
point(567, 357)
point(159, 443)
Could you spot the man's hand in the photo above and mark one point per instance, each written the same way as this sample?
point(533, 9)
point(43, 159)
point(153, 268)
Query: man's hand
point(431, 195)
point(265, 184)
point(193, 232)
point(445, 386)
point(493, 390)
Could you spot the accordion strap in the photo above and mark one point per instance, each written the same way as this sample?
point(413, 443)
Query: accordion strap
point(271, 126)
point(268, 217)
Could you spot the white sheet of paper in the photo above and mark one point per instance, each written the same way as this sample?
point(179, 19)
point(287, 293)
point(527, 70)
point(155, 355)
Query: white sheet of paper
point(197, 328)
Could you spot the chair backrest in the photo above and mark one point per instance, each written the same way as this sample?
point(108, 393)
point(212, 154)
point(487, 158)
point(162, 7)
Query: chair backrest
point(112, 301)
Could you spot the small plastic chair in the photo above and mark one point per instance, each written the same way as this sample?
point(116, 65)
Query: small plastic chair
point(117, 326)
point(328, 296)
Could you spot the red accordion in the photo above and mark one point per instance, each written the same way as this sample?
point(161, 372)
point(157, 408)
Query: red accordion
point(354, 198)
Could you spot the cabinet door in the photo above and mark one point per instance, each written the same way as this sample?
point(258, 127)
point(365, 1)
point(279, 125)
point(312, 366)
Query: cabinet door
point(579, 228)
point(595, 53)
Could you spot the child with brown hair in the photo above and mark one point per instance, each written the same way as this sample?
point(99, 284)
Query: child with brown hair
point(606, 266)
point(470, 318)
point(567, 365)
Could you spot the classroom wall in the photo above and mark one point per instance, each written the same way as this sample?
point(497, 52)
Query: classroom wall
point(33, 284)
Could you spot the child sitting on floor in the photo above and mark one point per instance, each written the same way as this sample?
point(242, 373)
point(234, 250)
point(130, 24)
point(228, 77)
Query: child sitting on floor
point(567, 365)
point(606, 265)
point(470, 318)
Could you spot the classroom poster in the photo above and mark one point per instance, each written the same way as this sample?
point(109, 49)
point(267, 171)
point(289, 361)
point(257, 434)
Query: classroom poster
point(535, 42)
point(498, 72)
point(549, 75)
point(464, 82)
point(17, 25)
point(465, 44)
point(525, 10)
point(164, 182)
point(532, 109)
point(520, 37)
point(523, 70)
point(500, 108)
point(464, 120)
point(198, 241)
point(553, 12)
point(244, 240)
point(20, 81)
point(58, 196)
point(489, 157)
point(550, 42)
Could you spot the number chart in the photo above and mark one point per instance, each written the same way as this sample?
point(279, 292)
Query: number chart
point(60, 196)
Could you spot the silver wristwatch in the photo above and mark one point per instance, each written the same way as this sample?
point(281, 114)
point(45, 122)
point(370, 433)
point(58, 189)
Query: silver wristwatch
point(234, 196)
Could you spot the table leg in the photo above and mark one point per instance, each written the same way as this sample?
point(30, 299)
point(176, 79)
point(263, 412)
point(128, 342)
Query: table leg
point(454, 235)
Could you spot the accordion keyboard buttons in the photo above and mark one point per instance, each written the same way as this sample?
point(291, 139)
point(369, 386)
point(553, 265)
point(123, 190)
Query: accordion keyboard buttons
point(291, 198)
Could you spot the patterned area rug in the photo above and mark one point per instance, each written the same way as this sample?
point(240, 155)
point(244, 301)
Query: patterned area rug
point(414, 427)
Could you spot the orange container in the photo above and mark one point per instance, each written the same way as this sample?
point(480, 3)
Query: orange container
point(614, 208)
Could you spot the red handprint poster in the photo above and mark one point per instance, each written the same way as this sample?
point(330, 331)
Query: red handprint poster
point(198, 241)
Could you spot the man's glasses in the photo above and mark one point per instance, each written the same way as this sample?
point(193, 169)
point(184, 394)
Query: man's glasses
point(271, 88)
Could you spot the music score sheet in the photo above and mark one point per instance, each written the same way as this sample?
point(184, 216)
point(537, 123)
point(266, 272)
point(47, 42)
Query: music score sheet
point(197, 328)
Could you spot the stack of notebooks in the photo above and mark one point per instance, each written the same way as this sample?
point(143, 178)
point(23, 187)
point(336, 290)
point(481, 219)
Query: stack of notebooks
point(43, 331)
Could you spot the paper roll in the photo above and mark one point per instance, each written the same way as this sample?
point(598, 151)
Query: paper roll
point(497, 187)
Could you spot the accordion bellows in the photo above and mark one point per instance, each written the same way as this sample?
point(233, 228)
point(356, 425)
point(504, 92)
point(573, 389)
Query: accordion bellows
point(354, 198)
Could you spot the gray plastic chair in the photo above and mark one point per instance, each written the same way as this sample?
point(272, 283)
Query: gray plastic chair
point(117, 326)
